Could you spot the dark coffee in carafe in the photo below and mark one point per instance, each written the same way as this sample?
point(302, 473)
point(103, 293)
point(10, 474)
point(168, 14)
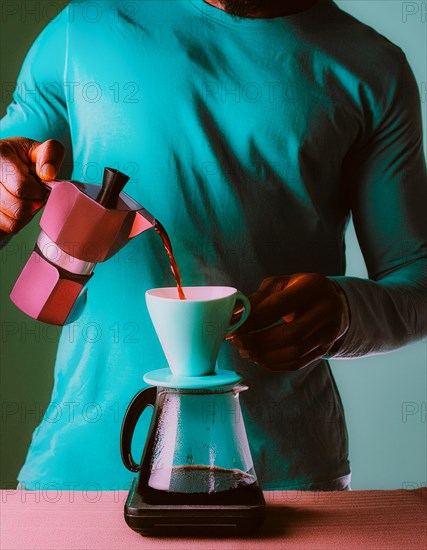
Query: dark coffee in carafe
point(198, 484)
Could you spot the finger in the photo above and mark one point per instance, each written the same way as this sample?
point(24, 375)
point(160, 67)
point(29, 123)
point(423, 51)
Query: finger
point(274, 284)
point(16, 208)
point(255, 298)
point(47, 157)
point(291, 300)
point(316, 335)
point(290, 317)
point(302, 290)
point(10, 225)
point(317, 322)
point(281, 335)
point(16, 178)
point(268, 286)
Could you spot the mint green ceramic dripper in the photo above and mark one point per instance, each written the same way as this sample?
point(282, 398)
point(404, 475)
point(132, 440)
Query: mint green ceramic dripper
point(191, 331)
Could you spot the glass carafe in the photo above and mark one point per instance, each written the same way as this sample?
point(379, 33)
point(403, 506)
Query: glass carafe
point(196, 450)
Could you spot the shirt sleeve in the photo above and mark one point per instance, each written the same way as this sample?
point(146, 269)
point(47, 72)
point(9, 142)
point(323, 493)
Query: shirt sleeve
point(387, 188)
point(39, 109)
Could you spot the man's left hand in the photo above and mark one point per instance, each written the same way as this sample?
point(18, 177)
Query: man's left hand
point(294, 321)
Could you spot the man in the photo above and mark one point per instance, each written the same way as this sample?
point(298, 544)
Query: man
point(252, 129)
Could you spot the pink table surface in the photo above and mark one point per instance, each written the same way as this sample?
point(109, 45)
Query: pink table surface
point(295, 520)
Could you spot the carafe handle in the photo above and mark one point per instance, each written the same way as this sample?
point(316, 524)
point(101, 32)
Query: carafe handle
point(145, 398)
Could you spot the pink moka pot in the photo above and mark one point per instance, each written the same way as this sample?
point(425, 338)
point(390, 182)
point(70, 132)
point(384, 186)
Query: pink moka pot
point(82, 224)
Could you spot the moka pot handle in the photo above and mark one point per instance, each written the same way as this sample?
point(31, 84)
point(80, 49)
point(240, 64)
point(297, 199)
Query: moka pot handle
point(145, 398)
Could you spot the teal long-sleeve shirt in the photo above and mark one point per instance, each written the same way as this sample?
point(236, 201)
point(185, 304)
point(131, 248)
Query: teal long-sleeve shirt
point(252, 141)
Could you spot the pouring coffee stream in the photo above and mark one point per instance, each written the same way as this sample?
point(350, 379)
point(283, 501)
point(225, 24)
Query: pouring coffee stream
point(161, 231)
point(113, 183)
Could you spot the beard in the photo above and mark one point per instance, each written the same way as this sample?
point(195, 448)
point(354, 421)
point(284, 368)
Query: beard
point(246, 8)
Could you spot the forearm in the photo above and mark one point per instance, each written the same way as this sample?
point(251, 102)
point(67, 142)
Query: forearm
point(385, 314)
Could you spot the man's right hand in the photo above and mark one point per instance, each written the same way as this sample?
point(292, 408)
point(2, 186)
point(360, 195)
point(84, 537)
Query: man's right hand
point(24, 164)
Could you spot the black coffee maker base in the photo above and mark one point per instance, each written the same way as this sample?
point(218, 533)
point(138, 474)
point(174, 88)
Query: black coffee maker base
point(195, 520)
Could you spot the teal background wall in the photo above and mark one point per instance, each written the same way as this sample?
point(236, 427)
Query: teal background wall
point(384, 395)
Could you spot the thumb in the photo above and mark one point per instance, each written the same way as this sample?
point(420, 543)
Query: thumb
point(47, 157)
